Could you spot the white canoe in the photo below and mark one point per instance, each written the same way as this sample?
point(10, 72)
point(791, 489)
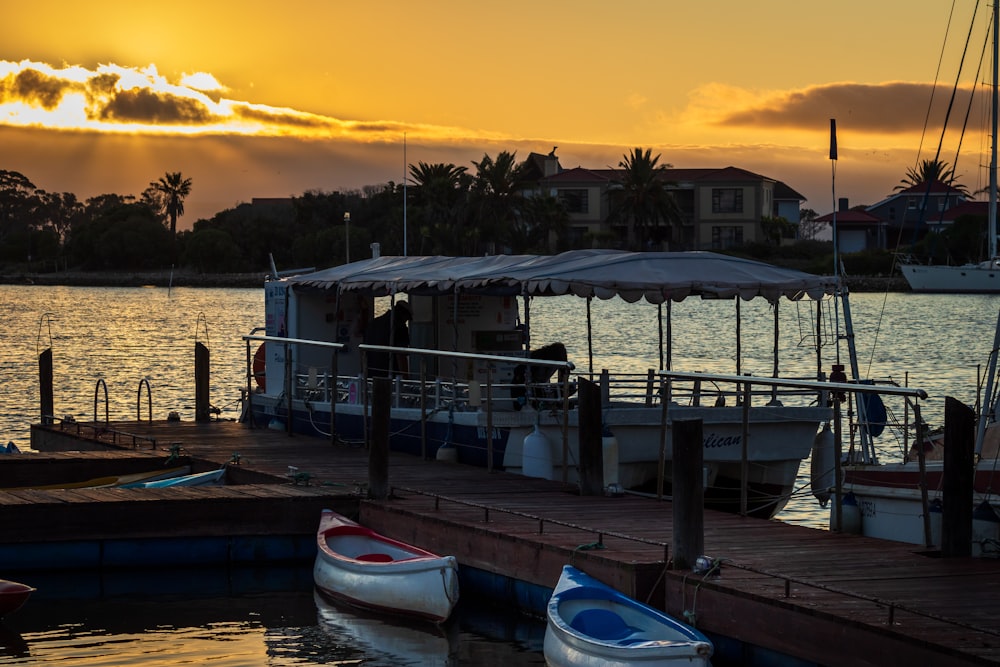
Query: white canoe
point(211, 477)
point(591, 624)
point(357, 566)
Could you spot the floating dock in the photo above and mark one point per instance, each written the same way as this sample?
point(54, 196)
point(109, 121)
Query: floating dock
point(782, 594)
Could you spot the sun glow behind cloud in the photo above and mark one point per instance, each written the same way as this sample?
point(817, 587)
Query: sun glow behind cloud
point(126, 100)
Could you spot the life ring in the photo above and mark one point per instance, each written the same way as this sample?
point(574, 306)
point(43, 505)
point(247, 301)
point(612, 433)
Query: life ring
point(259, 367)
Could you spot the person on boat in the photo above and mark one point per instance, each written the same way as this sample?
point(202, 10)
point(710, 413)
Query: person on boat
point(391, 328)
point(540, 375)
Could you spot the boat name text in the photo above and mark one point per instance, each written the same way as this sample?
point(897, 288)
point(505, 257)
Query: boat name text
point(713, 441)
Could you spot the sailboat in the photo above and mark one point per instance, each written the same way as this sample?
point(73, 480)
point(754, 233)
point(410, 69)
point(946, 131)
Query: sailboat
point(904, 501)
point(982, 277)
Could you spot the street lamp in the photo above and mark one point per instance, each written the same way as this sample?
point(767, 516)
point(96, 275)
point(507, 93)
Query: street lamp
point(347, 229)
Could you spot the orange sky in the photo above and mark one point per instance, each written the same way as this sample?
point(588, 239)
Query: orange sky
point(264, 99)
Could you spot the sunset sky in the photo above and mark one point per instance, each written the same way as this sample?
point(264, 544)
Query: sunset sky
point(265, 99)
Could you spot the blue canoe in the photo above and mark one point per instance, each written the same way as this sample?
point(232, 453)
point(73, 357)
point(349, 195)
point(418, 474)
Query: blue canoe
point(212, 477)
point(589, 623)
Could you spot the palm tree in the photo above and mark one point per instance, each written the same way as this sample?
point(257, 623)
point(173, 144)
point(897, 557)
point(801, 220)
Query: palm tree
point(641, 199)
point(440, 197)
point(174, 188)
point(931, 171)
point(496, 197)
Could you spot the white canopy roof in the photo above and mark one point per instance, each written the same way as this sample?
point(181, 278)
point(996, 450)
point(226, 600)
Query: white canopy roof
point(655, 276)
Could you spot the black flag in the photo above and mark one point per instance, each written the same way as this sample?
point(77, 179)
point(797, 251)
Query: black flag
point(833, 138)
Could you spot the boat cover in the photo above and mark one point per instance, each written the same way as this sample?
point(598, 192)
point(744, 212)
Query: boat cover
point(601, 273)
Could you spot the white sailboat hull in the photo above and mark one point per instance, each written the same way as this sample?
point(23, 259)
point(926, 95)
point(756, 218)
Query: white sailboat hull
point(983, 278)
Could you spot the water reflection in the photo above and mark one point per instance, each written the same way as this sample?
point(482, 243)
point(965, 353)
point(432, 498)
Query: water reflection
point(231, 617)
point(389, 640)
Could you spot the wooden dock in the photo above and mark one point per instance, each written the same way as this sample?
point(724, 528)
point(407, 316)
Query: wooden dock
point(784, 590)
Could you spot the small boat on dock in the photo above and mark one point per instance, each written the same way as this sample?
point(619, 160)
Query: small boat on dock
point(590, 623)
point(106, 481)
point(13, 595)
point(357, 566)
point(208, 478)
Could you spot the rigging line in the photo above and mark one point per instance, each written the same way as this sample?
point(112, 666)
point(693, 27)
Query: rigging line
point(944, 126)
point(968, 109)
point(937, 77)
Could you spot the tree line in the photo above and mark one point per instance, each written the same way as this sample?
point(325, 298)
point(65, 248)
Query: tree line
point(448, 210)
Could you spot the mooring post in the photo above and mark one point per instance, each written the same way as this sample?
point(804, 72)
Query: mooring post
point(591, 442)
point(378, 448)
point(45, 386)
point(688, 493)
point(959, 474)
point(202, 373)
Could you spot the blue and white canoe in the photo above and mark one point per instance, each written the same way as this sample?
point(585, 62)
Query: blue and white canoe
point(592, 624)
point(212, 477)
point(357, 566)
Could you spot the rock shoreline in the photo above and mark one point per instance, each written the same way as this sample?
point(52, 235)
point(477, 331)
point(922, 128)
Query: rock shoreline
point(255, 280)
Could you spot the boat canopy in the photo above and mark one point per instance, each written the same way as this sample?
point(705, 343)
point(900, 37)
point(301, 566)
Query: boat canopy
point(655, 276)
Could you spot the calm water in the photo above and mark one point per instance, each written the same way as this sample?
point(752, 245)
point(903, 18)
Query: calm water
point(124, 336)
point(241, 618)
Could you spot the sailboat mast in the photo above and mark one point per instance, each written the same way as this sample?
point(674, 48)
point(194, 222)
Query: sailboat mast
point(993, 140)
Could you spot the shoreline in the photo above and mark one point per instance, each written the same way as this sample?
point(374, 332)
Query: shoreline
point(256, 280)
point(135, 279)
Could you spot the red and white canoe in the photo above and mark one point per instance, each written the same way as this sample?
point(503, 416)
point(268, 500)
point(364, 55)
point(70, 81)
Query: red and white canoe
point(358, 566)
point(12, 596)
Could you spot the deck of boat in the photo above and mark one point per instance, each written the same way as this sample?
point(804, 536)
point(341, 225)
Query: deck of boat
point(822, 597)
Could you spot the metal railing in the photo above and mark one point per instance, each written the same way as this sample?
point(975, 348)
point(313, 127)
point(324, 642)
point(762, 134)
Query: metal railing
point(745, 383)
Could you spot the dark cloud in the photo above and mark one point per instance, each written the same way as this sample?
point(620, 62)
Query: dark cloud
point(140, 105)
point(34, 88)
point(276, 117)
point(895, 107)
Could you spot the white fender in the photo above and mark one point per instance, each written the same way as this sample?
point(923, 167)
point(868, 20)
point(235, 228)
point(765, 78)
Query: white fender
point(536, 456)
point(823, 465)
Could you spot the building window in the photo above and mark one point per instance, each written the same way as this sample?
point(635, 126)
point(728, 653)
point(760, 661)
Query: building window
point(727, 200)
point(575, 201)
point(726, 237)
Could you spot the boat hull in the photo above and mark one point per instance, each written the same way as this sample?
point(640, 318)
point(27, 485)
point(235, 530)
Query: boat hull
point(13, 595)
point(591, 624)
point(208, 478)
point(890, 504)
point(781, 437)
point(114, 480)
point(973, 279)
point(359, 567)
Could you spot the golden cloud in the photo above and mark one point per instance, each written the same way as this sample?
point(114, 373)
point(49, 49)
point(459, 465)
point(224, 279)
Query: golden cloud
point(119, 99)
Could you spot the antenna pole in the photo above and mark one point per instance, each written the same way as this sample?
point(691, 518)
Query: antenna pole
point(404, 194)
point(993, 140)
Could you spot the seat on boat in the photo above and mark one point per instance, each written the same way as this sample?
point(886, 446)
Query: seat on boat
point(602, 624)
point(375, 558)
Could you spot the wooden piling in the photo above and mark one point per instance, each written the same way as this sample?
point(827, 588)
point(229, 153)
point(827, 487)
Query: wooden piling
point(202, 374)
point(688, 493)
point(45, 385)
point(378, 448)
point(591, 442)
point(957, 484)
